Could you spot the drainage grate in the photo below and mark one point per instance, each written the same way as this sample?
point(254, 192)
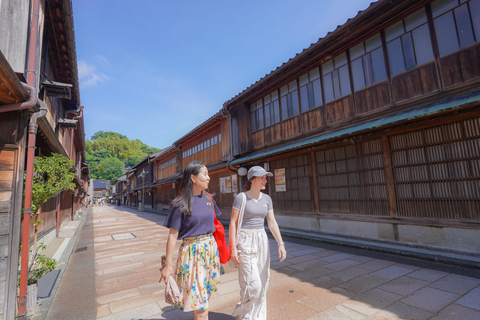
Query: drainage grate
point(123, 236)
point(81, 249)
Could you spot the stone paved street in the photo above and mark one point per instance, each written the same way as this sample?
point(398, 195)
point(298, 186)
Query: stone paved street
point(113, 274)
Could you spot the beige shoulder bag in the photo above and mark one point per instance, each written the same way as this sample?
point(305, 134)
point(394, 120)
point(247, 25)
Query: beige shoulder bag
point(172, 293)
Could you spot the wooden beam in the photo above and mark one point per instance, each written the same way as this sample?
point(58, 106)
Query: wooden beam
point(315, 182)
point(387, 161)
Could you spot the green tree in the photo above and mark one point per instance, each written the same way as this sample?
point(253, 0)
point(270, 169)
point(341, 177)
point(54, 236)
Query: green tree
point(108, 134)
point(104, 145)
point(52, 175)
point(133, 160)
point(100, 155)
point(110, 169)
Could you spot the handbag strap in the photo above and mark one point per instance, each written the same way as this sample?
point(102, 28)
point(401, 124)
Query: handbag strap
point(240, 215)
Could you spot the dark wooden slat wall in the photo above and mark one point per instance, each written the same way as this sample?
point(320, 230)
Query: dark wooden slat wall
point(273, 134)
point(164, 195)
point(299, 180)
point(291, 127)
point(48, 214)
point(240, 133)
point(66, 201)
point(313, 119)
point(258, 139)
point(432, 172)
point(9, 122)
point(437, 171)
point(340, 109)
point(373, 98)
point(461, 66)
point(415, 83)
point(226, 141)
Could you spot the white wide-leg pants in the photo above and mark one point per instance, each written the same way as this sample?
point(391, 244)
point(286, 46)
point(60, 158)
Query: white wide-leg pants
point(253, 274)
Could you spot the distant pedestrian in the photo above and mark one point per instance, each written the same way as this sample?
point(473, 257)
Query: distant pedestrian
point(251, 250)
point(191, 219)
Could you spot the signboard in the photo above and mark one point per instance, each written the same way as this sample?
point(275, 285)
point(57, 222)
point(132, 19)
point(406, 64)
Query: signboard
point(228, 185)
point(222, 185)
point(280, 181)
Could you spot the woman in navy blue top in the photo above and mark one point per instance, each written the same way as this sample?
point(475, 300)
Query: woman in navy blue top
point(198, 263)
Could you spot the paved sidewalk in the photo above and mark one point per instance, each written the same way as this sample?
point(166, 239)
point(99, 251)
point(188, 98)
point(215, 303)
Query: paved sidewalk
point(113, 274)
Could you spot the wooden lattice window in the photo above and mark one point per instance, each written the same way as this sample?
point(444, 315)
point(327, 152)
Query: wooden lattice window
point(351, 179)
point(298, 196)
point(164, 196)
point(437, 171)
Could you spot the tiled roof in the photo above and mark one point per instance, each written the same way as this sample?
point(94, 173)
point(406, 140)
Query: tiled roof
point(99, 184)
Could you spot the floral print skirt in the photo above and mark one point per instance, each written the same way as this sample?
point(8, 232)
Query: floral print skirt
point(198, 271)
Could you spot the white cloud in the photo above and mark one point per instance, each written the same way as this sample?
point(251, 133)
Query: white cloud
point(101, 59)
point(88, 75)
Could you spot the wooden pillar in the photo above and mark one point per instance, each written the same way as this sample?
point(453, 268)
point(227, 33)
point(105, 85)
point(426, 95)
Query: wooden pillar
point(315, 182)
point(387, 161)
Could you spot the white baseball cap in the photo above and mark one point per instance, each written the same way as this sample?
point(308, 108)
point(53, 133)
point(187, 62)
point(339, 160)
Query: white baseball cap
point(258, 171)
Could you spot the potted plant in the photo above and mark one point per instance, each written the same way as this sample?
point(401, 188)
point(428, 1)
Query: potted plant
point(38, 267)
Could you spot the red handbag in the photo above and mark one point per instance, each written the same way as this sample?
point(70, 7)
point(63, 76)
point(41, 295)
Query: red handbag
point(219, 235)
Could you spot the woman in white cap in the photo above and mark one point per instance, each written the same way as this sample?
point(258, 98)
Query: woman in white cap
point(250, 251)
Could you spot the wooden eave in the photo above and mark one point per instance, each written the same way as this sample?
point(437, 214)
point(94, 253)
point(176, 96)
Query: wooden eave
point(51, 142)
point(366, 23)
point(79, 136)
point(145, 161)
point(11, 90)
point(62, 50)
point(167, 152)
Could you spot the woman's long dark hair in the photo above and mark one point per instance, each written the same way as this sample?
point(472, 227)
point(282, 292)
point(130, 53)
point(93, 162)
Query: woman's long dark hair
point(185, 197)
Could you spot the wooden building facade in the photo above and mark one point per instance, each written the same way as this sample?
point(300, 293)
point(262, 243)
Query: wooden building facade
point(13, 137)
point(121, 189)
point(167, 172)
point(137, 185)
point(210, 143)
point(40, 114)
point(374, 131)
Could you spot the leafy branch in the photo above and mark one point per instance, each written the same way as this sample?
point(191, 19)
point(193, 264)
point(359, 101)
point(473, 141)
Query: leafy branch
point(52, 175)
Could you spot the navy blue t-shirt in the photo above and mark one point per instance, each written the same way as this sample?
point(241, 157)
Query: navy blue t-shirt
point(198, 223)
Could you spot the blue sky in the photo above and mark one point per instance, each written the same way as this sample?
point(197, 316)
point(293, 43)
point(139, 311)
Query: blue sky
point(155, 69)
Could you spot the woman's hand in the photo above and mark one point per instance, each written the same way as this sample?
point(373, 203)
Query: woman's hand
point(234, 257)
point(167, 272)
point(282, 253)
